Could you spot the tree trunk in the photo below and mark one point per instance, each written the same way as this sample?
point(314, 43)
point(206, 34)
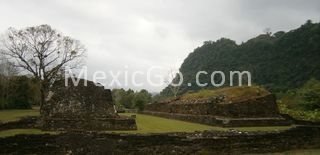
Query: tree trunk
point(43, 95)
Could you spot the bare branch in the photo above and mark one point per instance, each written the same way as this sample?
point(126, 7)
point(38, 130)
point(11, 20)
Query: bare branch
point(42, 51)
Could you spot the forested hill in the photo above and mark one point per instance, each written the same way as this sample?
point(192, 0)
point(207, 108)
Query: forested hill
point(279, 61)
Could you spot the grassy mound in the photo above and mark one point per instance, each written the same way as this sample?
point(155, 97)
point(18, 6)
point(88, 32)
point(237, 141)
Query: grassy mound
point(230, 93)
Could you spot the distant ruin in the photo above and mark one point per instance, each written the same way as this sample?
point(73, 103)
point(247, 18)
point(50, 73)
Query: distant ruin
point(235, 106)
point(82, 108)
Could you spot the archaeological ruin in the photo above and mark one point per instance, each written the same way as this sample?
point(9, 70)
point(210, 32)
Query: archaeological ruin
point(228, 107)
point(82, 107)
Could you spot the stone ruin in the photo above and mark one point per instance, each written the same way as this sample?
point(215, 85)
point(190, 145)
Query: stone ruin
point(82, 108)
point(223, 109)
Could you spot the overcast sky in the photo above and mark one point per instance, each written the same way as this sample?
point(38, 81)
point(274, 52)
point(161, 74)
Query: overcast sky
point(134, 35)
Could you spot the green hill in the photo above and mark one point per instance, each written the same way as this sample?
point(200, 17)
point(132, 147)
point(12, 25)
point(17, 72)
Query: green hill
point(279, 61)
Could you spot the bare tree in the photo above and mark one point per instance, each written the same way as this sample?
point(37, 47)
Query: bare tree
point(173, 83)
point(7, 68)
point(43, 52)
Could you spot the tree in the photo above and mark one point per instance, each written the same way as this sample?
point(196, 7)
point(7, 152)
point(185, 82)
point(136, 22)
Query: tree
point(43, 52)
point(279, 62)
point(157, 98)
point(123, 98)
point(127, 99)
point(141, 99)
point(7, 70)
point(173, 82)
point(267, 31)
point(19, 96)
point(130, 99)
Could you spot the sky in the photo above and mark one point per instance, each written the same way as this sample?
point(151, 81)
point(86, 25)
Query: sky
point(126, 36)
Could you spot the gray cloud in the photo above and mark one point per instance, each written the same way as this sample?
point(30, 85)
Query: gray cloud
point(144, 33)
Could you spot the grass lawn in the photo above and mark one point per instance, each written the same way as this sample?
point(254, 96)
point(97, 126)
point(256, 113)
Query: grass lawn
point(145, 123)
point(13, 132)
point(153, 124)
point(11, 115)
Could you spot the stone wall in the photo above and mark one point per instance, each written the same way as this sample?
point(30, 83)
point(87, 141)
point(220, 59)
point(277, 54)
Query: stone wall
point(223, 121)
point(257, 107)
point(122, 123)
point(103, 124)
point(206, 142)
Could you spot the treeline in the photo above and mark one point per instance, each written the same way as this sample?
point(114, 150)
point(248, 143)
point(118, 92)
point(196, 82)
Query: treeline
point(279, 61)
point(21, 92)
point(285, 63)
point(130, 99)
point(16, 92)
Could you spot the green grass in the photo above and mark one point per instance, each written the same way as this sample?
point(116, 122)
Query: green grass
point(152, 124)
point(12, 115)
point(13, 132)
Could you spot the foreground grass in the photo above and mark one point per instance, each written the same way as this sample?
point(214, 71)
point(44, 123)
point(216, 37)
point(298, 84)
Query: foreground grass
point(12, 115)
point(299, 152)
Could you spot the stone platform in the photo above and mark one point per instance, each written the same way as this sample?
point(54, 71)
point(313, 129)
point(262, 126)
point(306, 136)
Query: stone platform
point(223, 121)
point(224, 109)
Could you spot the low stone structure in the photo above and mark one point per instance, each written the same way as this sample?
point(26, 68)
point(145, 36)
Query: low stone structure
point(223, 109)
point(82, 107)
point(206, 142)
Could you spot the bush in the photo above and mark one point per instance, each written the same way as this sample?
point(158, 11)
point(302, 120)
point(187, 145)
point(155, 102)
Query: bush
point(310, 95)
point(299, 114)
point(302, 103)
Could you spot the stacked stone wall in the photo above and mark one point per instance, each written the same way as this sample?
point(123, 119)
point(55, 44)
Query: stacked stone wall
point(82, 107)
